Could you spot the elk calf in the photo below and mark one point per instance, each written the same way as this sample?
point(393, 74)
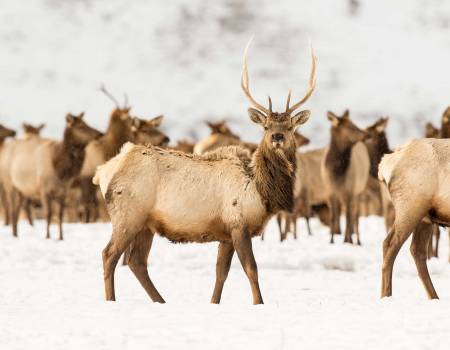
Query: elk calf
point(418, 178)
point(345, 172)
point(225, 196)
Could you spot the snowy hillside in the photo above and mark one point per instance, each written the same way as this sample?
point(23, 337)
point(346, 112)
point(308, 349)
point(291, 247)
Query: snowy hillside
point(183, 58)
point(317, 296)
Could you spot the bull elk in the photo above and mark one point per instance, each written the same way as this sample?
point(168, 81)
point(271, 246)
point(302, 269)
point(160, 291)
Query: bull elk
point(226, 196)
point(418, 179)
point(345, 171)
point(42, 169)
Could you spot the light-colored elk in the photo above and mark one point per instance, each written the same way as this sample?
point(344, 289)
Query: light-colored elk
point(417, 176)
point(42, 169)
point(101, 150)
point(31, 130)
point(345, 172)
point(226, 196)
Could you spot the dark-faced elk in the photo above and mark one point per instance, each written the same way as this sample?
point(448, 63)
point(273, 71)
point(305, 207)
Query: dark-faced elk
point(226, 196)
point(345, 172)
point(43, 170)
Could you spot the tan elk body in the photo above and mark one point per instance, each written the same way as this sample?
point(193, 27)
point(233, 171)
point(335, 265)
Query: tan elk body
point(226, 196)
point(345, 171)
point(418, 178)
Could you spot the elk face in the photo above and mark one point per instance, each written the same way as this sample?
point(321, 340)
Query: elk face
point(221, 128)
point(81, 133)
point(344, 129)
point(146, 131)
point(32, 130)
point(121, 114)
point(6, 132)
point(279, 127)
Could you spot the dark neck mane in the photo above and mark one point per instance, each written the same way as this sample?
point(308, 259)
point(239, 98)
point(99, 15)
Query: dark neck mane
point(274, 172)
point(69, 157)
point(338, 157)
point(377, 150)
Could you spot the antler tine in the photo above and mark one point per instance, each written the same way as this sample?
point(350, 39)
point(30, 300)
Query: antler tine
point(270, 104)
point(288, 100)
point(108, 94)
point(311, 84)
point(245, 82)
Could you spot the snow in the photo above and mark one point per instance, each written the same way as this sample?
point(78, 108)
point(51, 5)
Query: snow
point(183, 58)
point(316, 295)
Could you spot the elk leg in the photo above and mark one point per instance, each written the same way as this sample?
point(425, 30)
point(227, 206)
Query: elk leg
point(120, 240)
point(335, 217)
point(28, 212)
point(16, 204)
point(418, 249)
point(280, 227)
point(400, 231)
point(137, 262)
point(5, 206)
point(126, 256)
point(224, 257)
point(47, 206)
point(349, 224)
point(243, 245)
point(356, 213)
point(61, 205)
point(437, 236)
point(294, 225)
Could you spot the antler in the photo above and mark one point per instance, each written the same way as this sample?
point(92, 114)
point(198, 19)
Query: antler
point(125, 103)
point(245, 84)
point(108, 94)
point(311, 86)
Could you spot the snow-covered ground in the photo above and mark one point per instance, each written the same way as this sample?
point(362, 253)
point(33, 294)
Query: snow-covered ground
point(317, 296)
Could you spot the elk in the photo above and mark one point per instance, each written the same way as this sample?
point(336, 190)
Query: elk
point(418, 179)
point(31, 131)
point(345, 171)
point(42, 169)
point(185, 146)
point(99, 151)
point(4, 134)
point(445, 124)
point(226, 195)
point(431, 131)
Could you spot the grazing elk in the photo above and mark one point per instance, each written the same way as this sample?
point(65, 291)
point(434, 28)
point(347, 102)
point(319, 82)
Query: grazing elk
point(4, 134)
point(42, 169)
point(226, 195)
point(417, 176)
point(345, 172)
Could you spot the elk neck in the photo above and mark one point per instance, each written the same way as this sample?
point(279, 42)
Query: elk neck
point(116, 135)
point(377, 150)
point(274, 174)
point(338, 156)
point(69, 157)
point(445, 131)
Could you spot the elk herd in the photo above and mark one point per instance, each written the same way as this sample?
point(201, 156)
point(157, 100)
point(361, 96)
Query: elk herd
point(224, 189)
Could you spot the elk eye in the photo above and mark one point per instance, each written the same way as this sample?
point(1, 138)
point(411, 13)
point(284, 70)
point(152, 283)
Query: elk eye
point(266, 128)
point(290, 128)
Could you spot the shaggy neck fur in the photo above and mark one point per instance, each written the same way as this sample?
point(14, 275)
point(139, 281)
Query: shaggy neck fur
point(116, 134)
point(377, 151)
point(338, 157)
point(445, 131)
point(274, 172)
point(69, 157)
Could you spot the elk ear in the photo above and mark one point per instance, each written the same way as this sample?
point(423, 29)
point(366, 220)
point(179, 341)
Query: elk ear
point(69, 120)
point(81, 115)
point(155, 122)
point(25, 126)
point(381, 125)
point(301, 140)
point(300, 118)
point(346, 114)
point(41, 126)
point(256, 116)
point(333, 118)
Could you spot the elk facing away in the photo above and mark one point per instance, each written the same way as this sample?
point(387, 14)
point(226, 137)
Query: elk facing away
point(226, 196)
point(42, 169)
point(418, 178)
point(345, 171)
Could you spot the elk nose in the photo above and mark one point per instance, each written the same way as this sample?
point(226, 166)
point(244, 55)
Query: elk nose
point(277, 137)
point(166, 140)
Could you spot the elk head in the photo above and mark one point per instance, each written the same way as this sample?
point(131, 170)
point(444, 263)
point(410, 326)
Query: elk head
point(280, 127)
point(431, 131)
point(146, 132)
point(79, 132)
point(376, 129)
point(32, 130)
point(343, 128)
point(222, 128)
point(120, 113)
point(6, 132)
point(301, 140)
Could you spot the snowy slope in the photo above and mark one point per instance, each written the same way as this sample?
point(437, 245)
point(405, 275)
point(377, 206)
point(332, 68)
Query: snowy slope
point(183, 58)
point(317, 296)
